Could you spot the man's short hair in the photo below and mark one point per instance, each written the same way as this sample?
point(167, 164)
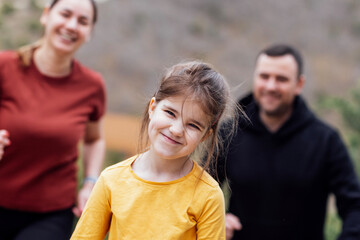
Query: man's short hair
point(278, 50)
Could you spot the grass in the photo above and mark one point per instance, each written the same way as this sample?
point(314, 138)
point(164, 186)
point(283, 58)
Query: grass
point(332, 226)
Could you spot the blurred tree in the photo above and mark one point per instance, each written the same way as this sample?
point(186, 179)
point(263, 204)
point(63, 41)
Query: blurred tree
point(349, 110)
point(19, 23)
point(7, 8)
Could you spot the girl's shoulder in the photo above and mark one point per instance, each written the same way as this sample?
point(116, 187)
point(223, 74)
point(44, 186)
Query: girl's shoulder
point(118, 167)
point(207, 189)
point(205, 177)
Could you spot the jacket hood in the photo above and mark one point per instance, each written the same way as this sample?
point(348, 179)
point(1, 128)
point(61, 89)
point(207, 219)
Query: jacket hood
point(300, 117)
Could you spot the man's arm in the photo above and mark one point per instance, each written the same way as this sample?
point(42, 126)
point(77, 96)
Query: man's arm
point(344, 183)
point(232, 223)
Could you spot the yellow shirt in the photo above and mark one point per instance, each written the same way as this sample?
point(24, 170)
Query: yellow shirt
point(130, 208)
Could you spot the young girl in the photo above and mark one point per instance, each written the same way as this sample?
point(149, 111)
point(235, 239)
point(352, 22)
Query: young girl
point(163, 193)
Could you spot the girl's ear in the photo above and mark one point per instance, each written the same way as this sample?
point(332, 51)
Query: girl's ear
point(44, 16)
point(152, 106)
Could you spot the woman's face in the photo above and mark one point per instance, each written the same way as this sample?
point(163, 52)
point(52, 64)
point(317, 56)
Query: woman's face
point(68, 25)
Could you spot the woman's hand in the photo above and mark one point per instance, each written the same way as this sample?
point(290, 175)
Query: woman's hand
point(82, 198)
point(4, 141)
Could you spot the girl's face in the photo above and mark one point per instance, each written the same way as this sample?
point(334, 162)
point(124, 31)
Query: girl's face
point(68, 25)
point(177, 125)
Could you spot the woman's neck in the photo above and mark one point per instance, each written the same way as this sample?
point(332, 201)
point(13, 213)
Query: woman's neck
point(152, 168)
point(50, 63)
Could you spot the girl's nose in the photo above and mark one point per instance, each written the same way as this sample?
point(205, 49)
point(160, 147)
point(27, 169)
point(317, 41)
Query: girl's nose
point(177, 128)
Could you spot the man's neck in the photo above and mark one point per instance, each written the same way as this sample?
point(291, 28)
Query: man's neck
point(274, 122)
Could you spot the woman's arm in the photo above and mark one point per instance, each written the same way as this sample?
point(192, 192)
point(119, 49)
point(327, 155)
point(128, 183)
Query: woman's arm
point(93, 159)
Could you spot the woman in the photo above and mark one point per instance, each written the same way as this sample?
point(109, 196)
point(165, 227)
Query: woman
point(48, 102)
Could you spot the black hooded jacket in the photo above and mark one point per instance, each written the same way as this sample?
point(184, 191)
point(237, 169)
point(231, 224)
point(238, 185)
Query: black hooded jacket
point(280, 182)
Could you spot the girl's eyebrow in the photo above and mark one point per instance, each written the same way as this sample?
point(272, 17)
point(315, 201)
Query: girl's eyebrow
point(198, 123)
point(171, 108)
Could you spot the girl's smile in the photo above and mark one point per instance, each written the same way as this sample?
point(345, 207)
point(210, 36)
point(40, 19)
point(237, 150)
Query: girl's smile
point(170, 139)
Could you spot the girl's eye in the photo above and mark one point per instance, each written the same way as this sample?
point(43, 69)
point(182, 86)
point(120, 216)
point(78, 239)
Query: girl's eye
point(194, 126)
point(170, 113)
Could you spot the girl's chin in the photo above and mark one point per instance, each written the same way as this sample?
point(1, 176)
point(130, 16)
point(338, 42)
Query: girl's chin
point(170, 157)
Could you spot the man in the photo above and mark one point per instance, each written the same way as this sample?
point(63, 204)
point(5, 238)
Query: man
point(284, 162)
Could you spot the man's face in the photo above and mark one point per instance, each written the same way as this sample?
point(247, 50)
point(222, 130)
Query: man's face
point(276, 84)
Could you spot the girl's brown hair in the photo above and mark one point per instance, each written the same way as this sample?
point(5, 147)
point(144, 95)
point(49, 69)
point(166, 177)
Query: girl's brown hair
point(25, 52)
point(199, 81)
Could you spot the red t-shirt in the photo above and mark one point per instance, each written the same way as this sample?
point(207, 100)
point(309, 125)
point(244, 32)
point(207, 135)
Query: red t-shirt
point(46, 118)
